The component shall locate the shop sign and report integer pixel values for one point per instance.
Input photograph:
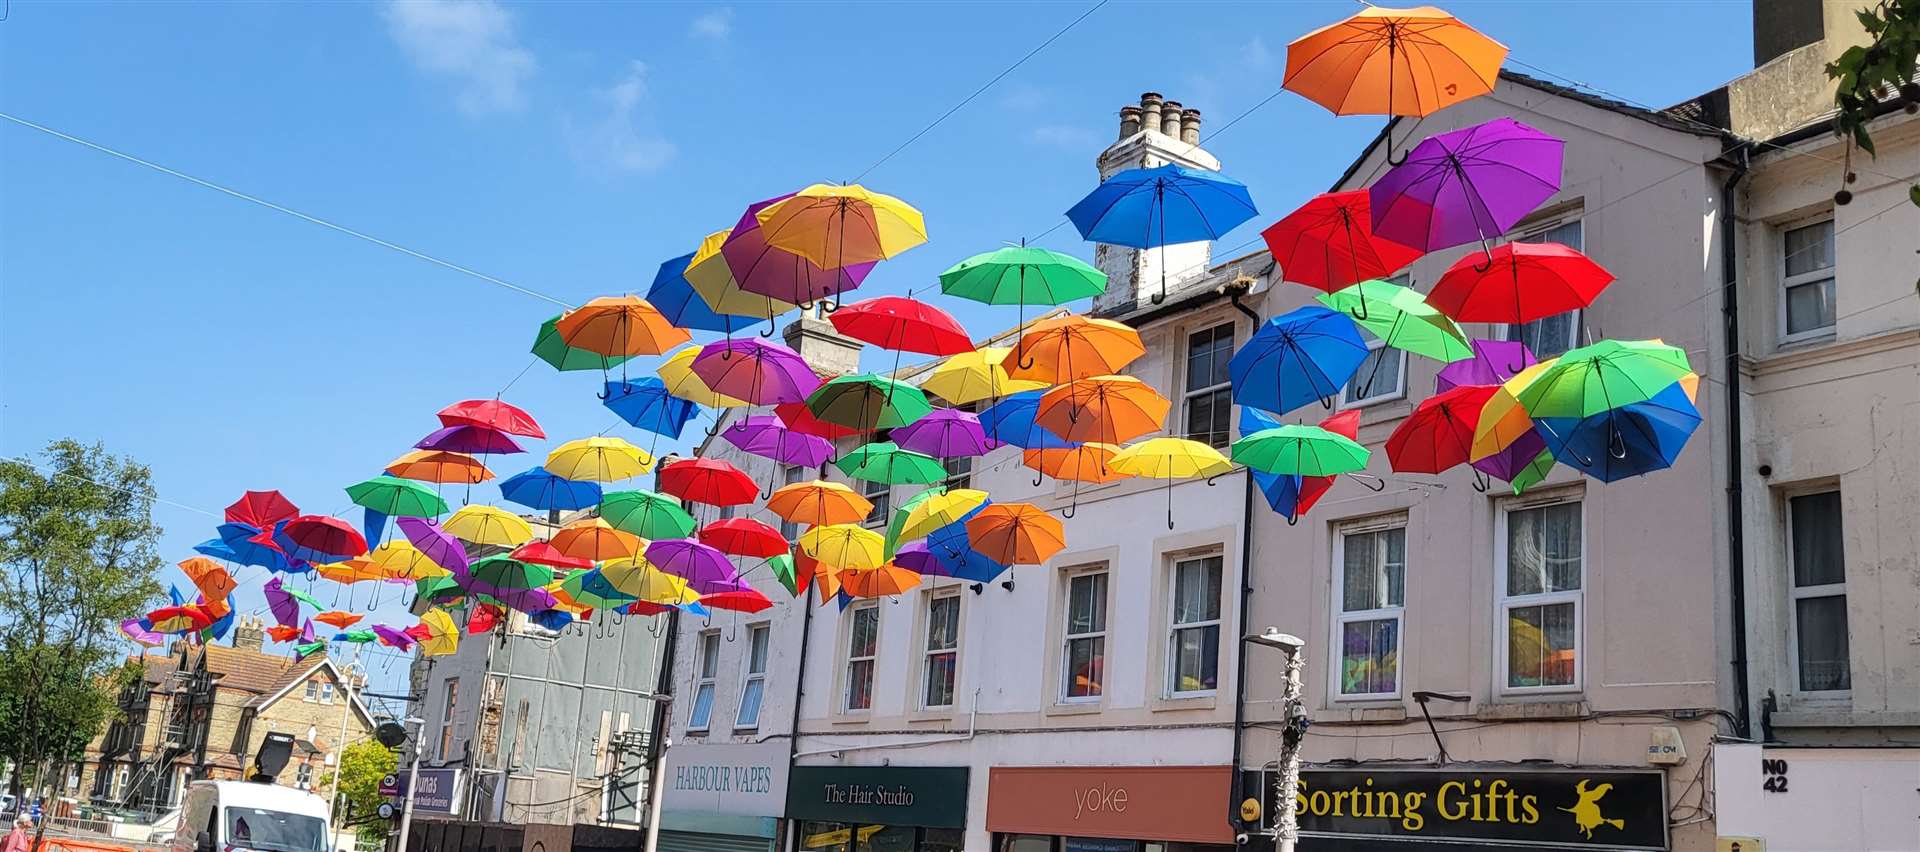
(749, 779)
(439, 791)
(1168, 803)
(923, 796)
(1597, 809)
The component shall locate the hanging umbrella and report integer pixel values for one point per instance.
(1301, 451)
(491, 414)
(1170, 459)
(952, 549)
(866, 401)
(1013, 421)
(902, 325)
(213, 581)
(836, 226)
(439, 466)
(1106, 409)
(1439, 433)
(1493, 362)
(1090, 462)
(620, 325)
(1469, 185)
(283, 632)
(358, 637)
(707, 480)
(1016, 534)
(705, 569)
(673, 294)
(485, 525)
(548, 346)
(1328, 243)
(592, 588)
(748, 599)
(845, 547)
(973, 376)
(922, 515)
(886, 462)
(251, 546)
(281, 603)
(1402, 319)
(756, 371)
(945, 433)
(647, 514)
(437, 543)
(765, 436)
(782, 567)
(1507, 463)
(393, 496)
(600, 458)
(677, 372)
(438, 635)
(880, 581)
(504, 573)
(759, 267)
(1305, 354)
(645, 404)
(1533, 473)
(1503, 420)
(713, 280)
(1161, 206)
(470, 439)
(400, 560)
(1073, 347)
(523, 600)
(440, 591)
(393, 637)
(796, 417)
(545, 553)
(1524, 282)
(138, 629)
(1606, 375)
(350, 571)
(261, 509)
(743, 537)
(319, 538)
(917, 556)
(189, 618)
(818, 503)
(337, 618)
(901, 511)
(217, 549)
(1019, 275)
(595, 540)
(642, 581)
(1634, 439)
(535, 488)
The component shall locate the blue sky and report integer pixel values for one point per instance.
(569, 148)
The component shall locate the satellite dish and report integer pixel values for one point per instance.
(391, 734)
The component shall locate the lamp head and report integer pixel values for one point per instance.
(1273, 638)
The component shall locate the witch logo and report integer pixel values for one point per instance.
(1586, 811)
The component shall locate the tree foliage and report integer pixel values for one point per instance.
(1866, 75)
(362, 765)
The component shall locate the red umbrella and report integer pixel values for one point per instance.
(492, 414)
(261, 509)
(709, 481)
(324, 535)
(743, 537)
(1329, 244)
(543, 553)
(1312, 488)
(647, 608)
(743, 600)
(799, 418)
(1439, 432)
(484, 617)
(903, 325)
(1523, 282)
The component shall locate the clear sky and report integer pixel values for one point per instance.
(569, 148)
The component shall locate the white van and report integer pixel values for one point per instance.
(228, 816)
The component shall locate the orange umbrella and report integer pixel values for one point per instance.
(1084, 463)
(1073, 347)
(1106, 409)
(352, 571)
(595, 540)
(439, 466)
(1016, 534)
(888, 579)
(212, 580)
(819, 503)
(620, 325)
(283, 632)
(825, 580)
(342, 620)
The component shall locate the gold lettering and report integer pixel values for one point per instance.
(1476, 802)
(1413, 819)
(1387, 802)
(1320, 803)
(1448, 812)
(1533, 814)
(1300, 797)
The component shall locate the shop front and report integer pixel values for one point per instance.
(878, 808)
(724, 797)
(1109, 808)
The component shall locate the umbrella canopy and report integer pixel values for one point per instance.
(440, 591)
(548, 346)
(1170, 458)
(881, 581)
(1439, 432)
(545, 553)
(765, 436)
(281, 603)
(707, 480)
(595, 540)
(620, 325)
(439, 545)
(641, 580)
(1328, 243)
(1305, 354)
(137, 630)
(1106, 409)
(759, 267)
(393, 637)
(506, 573)
(438, 635)
(1493, 362)
(747, 599)
(866, 401)
(743, 537)
(903, 325)
(1073, 347)
(677, 372)
(351, 571)
(251, 546)
(897, 521)
(600, 458)
(491, 414)
(398, 497)
(705, 569)
(1013, 421)
(467, 438)
(1469, 185)
(1301, 450)
(188, 618)
(782, 567)
(886, 462)
(845, 547)
(973, 376)
(319, 538)
(1503, 420)
(337, 618)
(836, 226)
(1160, 206)
(536, 488)
(673, 295)
(400, 560)
(1090, 462)
(1384, 61)
(1607, 375)
(796, 417)
(712, 278)
(946, 433)
(1507, 463)
(645, 404)
(756, 371)
(1023, 275)
(924, 515)
(1016, 534)
(957, 558)
(1402, 319)
(1636, 438)
(487, 525)
(1524, 282)
(261, 509)
(1533, 473)
(439, 466)
(647, 514)
(592, 588)
(819, 503)
(213, 581)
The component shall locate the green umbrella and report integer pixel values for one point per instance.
(438, 590)
(1402, 319)
(782, 566)
(1018, 275)
(360, 636)
(401, 498)
(899, 520)
(302, 597)
(554, 350)
(647, 514)
(867, 402)
(1602, 377)
(590, 588)
(1300, 450)
(309, 648)
(884, 461)
(506, 572)
(1534, 472)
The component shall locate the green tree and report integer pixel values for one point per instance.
(1866, 75)
(362, 765)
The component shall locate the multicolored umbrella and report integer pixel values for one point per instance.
(620, 325)
(744, 537)
(1402, 319)
(1013, 421)
(1523, 283)
(707, 480)
(601, 458)
(1634, 439)
(439, 466)
(1019, 275)
(886, 462)
(946, 433)
(1106, 409)
(954, 552)
(759, 267)
(398, 497)
(1328, 243)
(1305, 354)
(840, 225)
(536, 488)
(138, 629)
(491, 414)
(483, 525)
(188, 618)
(845, 547)
(1469, 185)
(595, 540)
(818, 503)
(902, 325)
(548, 346)
(973, 376)
(647, 514)
(1170, 459)
(1161, 206)
(705, 569)
(645, 404)
(592, 588)
(1604, 376)
(261, 509)
(1073, 347)
(866, 401)
(1301, 450)
(1439, 433)
(677, 372)
(467, 438)
(755, 371)
(673, 295)
(1016, 534)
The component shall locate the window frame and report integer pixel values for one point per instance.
(1340, 617)
(1374, 344)
(882, 506)
(1795, 594)
(1536, 233)
(848, 659)
(1170, 682)
(703, 679)
(1189, 393)
(326, 692)
(1787, 282)
(451, 687)
(1503, 602)
(312, 691)
(928, 652)
(791, 474)
(764, 631)
(1067, 636)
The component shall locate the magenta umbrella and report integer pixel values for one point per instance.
(393, 637)
(439, 545)
(1469, 185)
(756, 371)
(760, 268)
(525, 600)
(478, 440)
(138, 632)
(1493, 363)
(946, 433)
(705, 569)
(769, 437)
(280, 602)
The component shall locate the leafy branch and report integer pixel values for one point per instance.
(1871, 73)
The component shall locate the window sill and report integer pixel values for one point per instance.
(1807, 339)
(1075, 708)
(1838, 718)
(1192, 701)
(936, 714)
(851, 717)
(1369, 402)
(1362, 712)
(1528, 706)
(747, 731)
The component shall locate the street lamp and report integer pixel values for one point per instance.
(1286, 821)
(413, 780)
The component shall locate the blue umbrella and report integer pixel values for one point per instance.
(217, 549)
(1010, 421)
(238, 538)
(535, 488)
(954, 551)
(1254, 420)
(646, 405)
(552, 619)
(1633, 439)
(674, 297)
(1305, 354)
(1147, 208)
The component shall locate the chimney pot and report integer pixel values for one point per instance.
(1129, 120)
(1190, 126)
(1150, 105)
(1170, 119)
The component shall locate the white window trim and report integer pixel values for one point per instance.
(927, 653)
(846, 668)
(450, 686)
(1067, 636)
(880, 489)
(1398, 614)
(1400, 392)
(1824, 332)
(1188, 393)
(748, 675)
(326, 692)
(1504, 329)
(1502, 602)
(702, 679)
(789, 475)
(1796, 593)
(1169, 683)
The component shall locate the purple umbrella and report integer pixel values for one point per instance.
(440, 546)
(137, 630)
(1493, 362)
(705, 569)
(280, 602)
(470, 439)
(756, 371)
(916, 557)
(1469, 185)
(761, 268)
(393, 636)
(764, 435)
(1507, 463)
(946, 433)
(525, 600)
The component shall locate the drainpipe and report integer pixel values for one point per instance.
(792, 827)
(1235, 291)
(1736, 494)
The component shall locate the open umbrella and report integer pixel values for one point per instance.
(743, 537)
(620, 325)
(845, 547)
(1170, 459)
(1019, 275)
(712, 278)
(1493, 362)
(867, 401)
(1106, 409)
(1152, 207)
(139, 630)
(491, 414)
(1524, 282)
(261, 509)
(338, 619)
(548, 346)
(504, 573)
(840, 225)
(284, 607)
(439, 466)
(973, 376)
(879, 581)
(595, 540)
(922, 515)
(1402, 319)
(1328, 243)
(798, 418)
(1439, 433)
(818, 503)
(1305, 354)
(1013, 421)
(647, 514)
(486, 525)
(467, 438)
(1606, 375)
(759, 267)
(438, 635)
(440, 591)
(600, 458)
(1089, 462)
(902, 325)
(536, 488)
(674, 296)
(677, 372)
(945, 433)
(545, 553)
(319, 538)
(188, 618)
(399, 560)
(641, 580)
(705, 569)
(755, 371)
(1073, 347)
(437, 543)
(1636, 438)
(398, 497)
(592, 588)
(769, 438)
(350, 571)
(1468, 185)
(747, 599)
(707, 480)
(886, 462)
(251, 546)
(1300, 450)
(213, 581)
(953, 551)
(393, 637)
(1533, 473)
(1016, 534)
(645, 404)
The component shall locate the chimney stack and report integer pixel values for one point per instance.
(1170, 119)
(1134, 275)
(1129, 120)
(249, 633)
(1190, 126)
(1150, 103)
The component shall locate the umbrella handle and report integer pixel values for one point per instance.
(1026, 362)
(1481, 482)
(1293, 519)
(735, 632)
(1362, 478)
(1489, 253)
(1616, 442)
(1393, 161)
(602, 393)
(1210, 479)
(715, 431)
(769, 331)
(1361, 314)
(1069, 510)
(1326, 402)
(1039, 478)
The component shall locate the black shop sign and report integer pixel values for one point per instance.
(1564, 808)
(925, 796)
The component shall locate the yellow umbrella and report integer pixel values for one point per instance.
(677, 372)
(488, 525)
(638, 577)
(1503, 420)
(1170, 459)
(940, 510)
(600, 459)
(713, 280)
(400, 560)
(836, 226)
(845, 547)
(974, 376)
(443, 636)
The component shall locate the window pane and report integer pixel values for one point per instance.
(702, 706)
(1548, 336)
(791, 475)
(1196, 658)
(1818, 556)
(860, 685)
(1207, 355)
(1378, 376)
(1540, 645)
(1810, 306)
(757, 649)
(1087, 604)
(1375, 567)
(1369, 656)
(1810, 249)
(1196, 590)
(1822, 626)
(866, 623)
(880, 494)
(943, 623)
(1543, 549)
(750, 696)
(940, 668)
(1567, 234)
(1085, 660)
(709, 654)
